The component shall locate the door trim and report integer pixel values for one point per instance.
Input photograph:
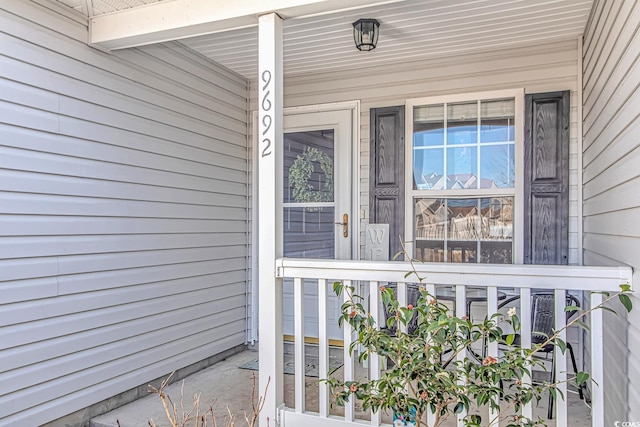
(252, 231)
(354, 108)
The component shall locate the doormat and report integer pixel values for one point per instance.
(311, 365)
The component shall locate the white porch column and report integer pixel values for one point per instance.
(270, 126)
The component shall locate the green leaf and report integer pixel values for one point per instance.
(337, 288)
(581, 324)
(459, 408)
(626, 301)
(609, 309)
(570, 308)
(625, 287)
(510, 338)
(563, 345)
(581, 377)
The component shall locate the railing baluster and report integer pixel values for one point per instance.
(560, 358)
(492, 347)
(374, 359)
(431, 290)
(323, 347)
(597, 362)
(461, 311)
(349, 407)
(525, 340)
(401, 290)
(299, 377)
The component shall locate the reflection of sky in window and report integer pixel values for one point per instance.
(496, 164)
(499, 132)
(496, 161)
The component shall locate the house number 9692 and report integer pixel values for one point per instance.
(267, 119)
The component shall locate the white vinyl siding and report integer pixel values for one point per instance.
(539, 68)
(611, 62)
(123, 213)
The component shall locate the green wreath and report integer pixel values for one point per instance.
(300, 172)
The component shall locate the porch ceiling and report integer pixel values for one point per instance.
(410, 30)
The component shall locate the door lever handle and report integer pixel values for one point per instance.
(344, 224)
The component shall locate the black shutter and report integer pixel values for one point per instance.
(386, 172)
(546, 180)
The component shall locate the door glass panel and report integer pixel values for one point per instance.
(309, 232)
(308, 166)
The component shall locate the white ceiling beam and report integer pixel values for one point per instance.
(178, 19)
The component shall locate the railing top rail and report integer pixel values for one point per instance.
(508, 275)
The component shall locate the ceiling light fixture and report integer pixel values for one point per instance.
(365, 33)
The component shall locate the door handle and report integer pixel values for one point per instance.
(344, 224)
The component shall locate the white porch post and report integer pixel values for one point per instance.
(270, 127)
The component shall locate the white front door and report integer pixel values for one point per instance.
(317, 217)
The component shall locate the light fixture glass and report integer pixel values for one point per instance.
(365, 33)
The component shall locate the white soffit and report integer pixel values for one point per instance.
(177, 19)
(412, 30)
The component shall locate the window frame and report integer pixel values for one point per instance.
(517, 192)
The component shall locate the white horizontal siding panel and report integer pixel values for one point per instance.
(224, 83)
(18, 115)
(43, 246)
(610, 15)
(29, 204)
(606, 67)
(123, 214)
(220, 193)
(615, 139)
(114, 95)
(611, 106)
(18, 291)
(115, 309)
(91, 263)
(19, 269)
(624, 251)
(34, 161)
(622, 169)
(73, 147)
(18, 225)
(88, 358)
(205, 149)
(611, 208)
(22, 94)
(221, 283)
(181, 355)
(176, 129)
(622, 196)
(34, 396)
(616, 223)
(30, 354)
(56, 22)
(60, 44)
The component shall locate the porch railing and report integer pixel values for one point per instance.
(520, 278)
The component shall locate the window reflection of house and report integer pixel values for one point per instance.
(460, 228)
(434, 181)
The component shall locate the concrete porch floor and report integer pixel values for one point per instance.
(228, 386)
